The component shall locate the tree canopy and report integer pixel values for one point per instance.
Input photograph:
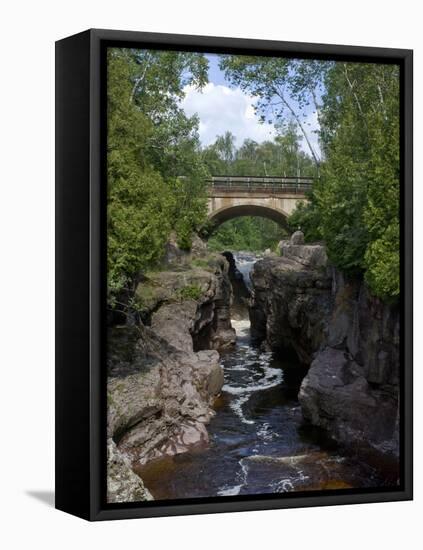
(281, 157)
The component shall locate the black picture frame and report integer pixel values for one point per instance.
(80, 273)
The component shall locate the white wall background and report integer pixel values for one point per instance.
(28, 31)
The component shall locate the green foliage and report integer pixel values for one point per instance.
(136, 234)
(355, 206)
(359, 195)
(157, 170)
(189, 210)
(306, 217)
(138, 225)
(189, 292)
(382, 261)
(247, 233)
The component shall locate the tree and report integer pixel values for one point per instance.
(283, 88)
(220, 155)
(355, 206)
(156, 176)
(137, 195)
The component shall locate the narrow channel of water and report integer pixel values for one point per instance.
(259, 442)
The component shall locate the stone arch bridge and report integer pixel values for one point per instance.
(270, 197)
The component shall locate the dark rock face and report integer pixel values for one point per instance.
(291, 306)
(212, 327)
(352, 388)
(335, 395)
(349, 338)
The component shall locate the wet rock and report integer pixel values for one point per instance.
(304, 472)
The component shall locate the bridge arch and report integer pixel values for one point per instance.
(226, 213)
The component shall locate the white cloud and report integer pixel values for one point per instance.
(222, 109)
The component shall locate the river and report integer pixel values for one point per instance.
(259, 442)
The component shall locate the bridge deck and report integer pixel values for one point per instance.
(273, 184)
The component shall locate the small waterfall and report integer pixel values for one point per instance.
(244, 263)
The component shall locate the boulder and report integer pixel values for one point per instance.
(311, 255)
(175, 255)
(174, 323)
(198, 247)
(297, 238)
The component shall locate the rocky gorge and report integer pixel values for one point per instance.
(197, 409)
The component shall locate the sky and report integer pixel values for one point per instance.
(222, 107)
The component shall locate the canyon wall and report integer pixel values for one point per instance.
(349, 338)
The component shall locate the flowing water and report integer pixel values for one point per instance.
(259, 442)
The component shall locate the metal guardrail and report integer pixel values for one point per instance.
(265, 183)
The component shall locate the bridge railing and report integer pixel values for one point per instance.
(257, 183)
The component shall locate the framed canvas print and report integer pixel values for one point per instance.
(234, 274)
